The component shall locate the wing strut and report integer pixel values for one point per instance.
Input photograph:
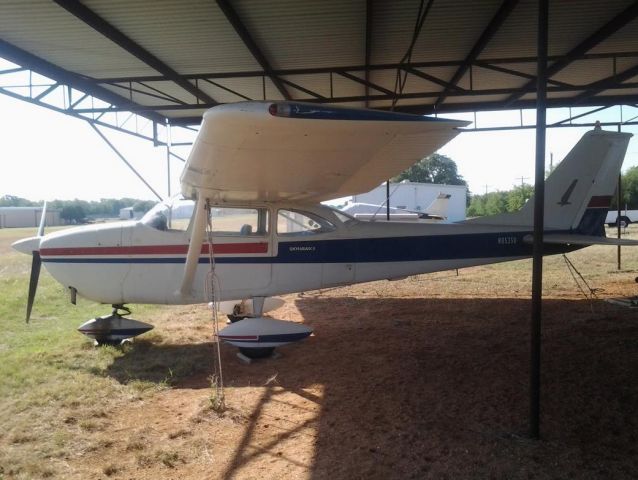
(195, 246)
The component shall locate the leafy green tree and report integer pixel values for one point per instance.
(496, 202)
(73, 213)
(630, 189)
(433, 169)
(143, 205)
(517, 197)
(13, 201)
(476, 208)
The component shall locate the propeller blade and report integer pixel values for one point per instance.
(33, 282)
(43, 220)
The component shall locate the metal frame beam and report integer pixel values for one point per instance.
(28, 60)
(387, 95)
(242, 31)
(608, 29)
(363, 67)
(431, 78)
(96, 22)
(368, 47)
(599, 86)
(539, 213)
(495, 24)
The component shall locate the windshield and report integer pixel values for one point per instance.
(172, 214)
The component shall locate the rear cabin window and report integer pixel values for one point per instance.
(293, 222)
(239, 221)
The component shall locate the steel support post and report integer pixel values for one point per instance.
(387, 200)
(168, 158)
(539, 206)
(619, 200)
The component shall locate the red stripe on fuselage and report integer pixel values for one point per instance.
(601, 201)
(223, 248)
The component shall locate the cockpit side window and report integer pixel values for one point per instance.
(239, 221)
(295, 222)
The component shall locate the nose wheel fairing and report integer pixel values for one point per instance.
(112, 329)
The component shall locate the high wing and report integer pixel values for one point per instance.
(269, 151)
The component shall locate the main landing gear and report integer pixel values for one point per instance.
(114, 328)
(257, 336)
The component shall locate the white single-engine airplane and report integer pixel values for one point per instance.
(257, 172)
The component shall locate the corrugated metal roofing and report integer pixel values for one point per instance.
(174, 59)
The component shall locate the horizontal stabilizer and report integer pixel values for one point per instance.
(570, 239)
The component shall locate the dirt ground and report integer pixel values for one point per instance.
(399, 381)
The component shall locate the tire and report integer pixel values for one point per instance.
(262, 352)
(624, 222)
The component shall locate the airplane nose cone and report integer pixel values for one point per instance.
(27, 245)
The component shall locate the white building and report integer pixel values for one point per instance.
(417, 196)
(27, 217)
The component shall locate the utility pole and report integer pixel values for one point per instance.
(523, 181)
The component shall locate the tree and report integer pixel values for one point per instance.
(476, 208)
(630, 189)
(517, 197)
(143, 205)
(13, 201)
(73, 213)
(433, 169)
(496, 202)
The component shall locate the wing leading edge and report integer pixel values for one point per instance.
(270, 151)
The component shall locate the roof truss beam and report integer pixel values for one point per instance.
(495, 24)
(601, 85)
(373, 67)
(432, 78)
(604, 32)
(366, 83)
(60, 75)
(389, 96)
(96, 22)
(517, 73)
(242, 31)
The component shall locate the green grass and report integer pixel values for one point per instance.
(55, 387)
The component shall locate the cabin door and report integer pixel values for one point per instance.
(243, 249)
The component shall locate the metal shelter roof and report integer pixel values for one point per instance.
(169, 60)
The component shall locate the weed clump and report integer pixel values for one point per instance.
(217, 398)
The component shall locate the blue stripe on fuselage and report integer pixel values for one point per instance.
(362, 250)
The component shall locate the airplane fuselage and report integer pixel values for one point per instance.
(136, 262)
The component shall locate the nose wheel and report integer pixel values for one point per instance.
(114, 328)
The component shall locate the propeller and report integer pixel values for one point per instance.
(33, 281)
(36, 263)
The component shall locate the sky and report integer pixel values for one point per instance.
(46, 155)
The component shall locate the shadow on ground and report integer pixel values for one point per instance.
(439, 387)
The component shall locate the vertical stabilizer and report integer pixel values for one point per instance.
(440, 206)
(580, 189)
